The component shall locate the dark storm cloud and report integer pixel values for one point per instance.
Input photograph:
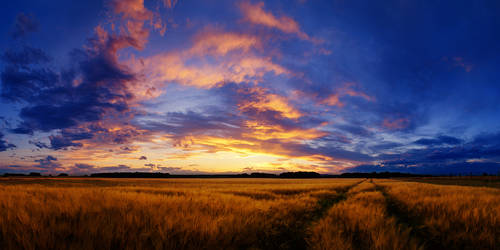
(60, 142)
(485, 146)
(25, 74)
(66, 138)
(25, 57)
(55, 102)
(443, 139)
(384, 145)
(24, 25)
(488, 139)
(49, 163)
(90, 87)
(434, 169)
(93, 84)
(38, 144)
(443, 155)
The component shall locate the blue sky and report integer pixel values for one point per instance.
(250, 86)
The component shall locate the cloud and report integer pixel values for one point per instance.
(48, 163)
(170, 3)
(214, 59)
(487, 140)
(221, 43)
(346, 90)
(25, 57)
(250, 92)
(442, 139)
(358, 130)
(83, 99)
(447, 153)
(433, 169)
(5, 145)
(81, 168)
(258, 100)
(60, 142)
(249, 133)
(263, 130)
(25, 73)
(134, 17)
(94, 85)
(396, 123)
(255, 13)
(24, 25)
(55, 102)
(179, 125)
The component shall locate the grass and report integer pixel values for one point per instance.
(84, 213)
(473, 181)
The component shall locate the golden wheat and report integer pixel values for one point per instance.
(84, 213)
(451, 216)
(360, 222)
(169, 214)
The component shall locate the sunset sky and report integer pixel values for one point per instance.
(248, 86)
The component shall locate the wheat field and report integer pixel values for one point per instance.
(87, 213)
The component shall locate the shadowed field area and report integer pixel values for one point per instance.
(474, 181)
(80, 213)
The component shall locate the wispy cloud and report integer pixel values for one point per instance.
(255, 13)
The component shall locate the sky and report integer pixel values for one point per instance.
(189, 87)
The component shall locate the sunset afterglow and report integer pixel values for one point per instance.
(189, 87)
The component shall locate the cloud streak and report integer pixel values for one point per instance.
(255, 14)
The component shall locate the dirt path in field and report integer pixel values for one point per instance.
(358, 237)
(326, 203)
(295, 236)
(417, 229)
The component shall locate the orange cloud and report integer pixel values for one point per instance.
(363, 95)
(219, 43)
(167, 68)
(262, 101)
(255, 13)
(346, 90)
(395, 124)
(135, 15)
(169, 3)
(332, 100)
(263, 131)
(223, 66)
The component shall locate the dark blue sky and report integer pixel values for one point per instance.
(232, 86)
